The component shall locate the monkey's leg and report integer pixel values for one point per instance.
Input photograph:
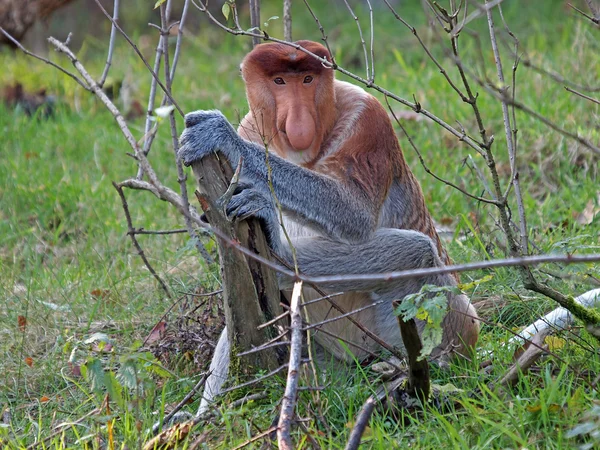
(386, 251)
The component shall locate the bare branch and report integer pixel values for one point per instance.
(179, 38)
(137, 51)
(595, 19)
(111, 44)
(255, 19)
(136, 244)
(181, 177)
(362, 420)
(323, 35)
(45, 60)
(159, 232)
(526, 360)
(510, 141)
(414, 106)
(166, 194)
(287, 20)
(424, 165)
(288, 402)
(158, 426)
(362, 42)
(591, 99)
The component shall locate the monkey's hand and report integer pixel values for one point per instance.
(249, 201)
(207, 132)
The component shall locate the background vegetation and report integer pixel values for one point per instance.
(68, 270)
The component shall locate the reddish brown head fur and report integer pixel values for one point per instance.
(292, 95)
(274, 58)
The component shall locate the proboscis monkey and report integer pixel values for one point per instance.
(350, 203)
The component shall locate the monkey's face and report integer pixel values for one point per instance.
(297, 114)
(293, 94)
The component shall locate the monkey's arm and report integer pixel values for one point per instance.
(337, 209)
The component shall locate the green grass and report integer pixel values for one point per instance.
(68, 268)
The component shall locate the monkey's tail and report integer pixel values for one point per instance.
(219, 370)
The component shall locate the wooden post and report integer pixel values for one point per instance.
(250, 290)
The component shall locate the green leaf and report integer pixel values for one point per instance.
(94, 374)
(127, 374)
(158, 3)
(428, 305)
(114, 389)
(226, 10)
(266, 24)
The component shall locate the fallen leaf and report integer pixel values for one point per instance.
(29, 361)
(44, 399)
(586, 216)
(100, 293)
(22, 320)
(75, 369)
(156, 333)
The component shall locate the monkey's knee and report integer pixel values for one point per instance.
(406, 249)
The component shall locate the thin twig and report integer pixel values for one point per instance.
(510, 143)
(45, 60)
(323, 35)
(201, 382)
(181, 176)
(287, 20)
(372, 41)
(273, 321)
(255, 19)
(362, 41)
(159, 232)
(137, 51)
(288, 402)
(166, 194)
(443, 71)
(111, 44)
(255, 438)
(595, 20)
(314, 325)
(179, 38)
(591, 99)
(135, 242)
(428, 170)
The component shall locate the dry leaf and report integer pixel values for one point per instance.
(22, 320)
(75, 369)
(586, 216)
(29, 361)
(156, 333)
(100, 293)
(44, 399)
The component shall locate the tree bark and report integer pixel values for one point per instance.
(250, 290)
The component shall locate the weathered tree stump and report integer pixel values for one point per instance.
(250, 290)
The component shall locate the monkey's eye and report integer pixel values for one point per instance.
(308, 79)
(279, 80)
